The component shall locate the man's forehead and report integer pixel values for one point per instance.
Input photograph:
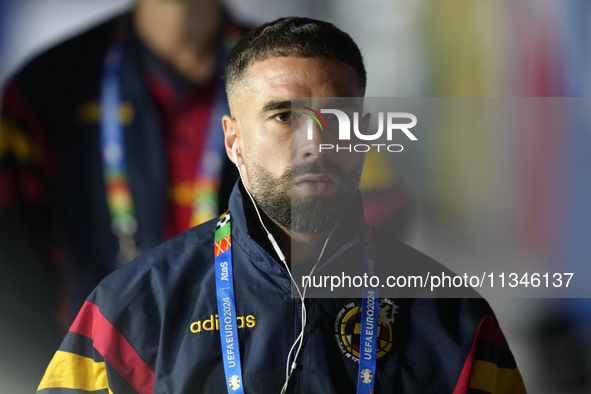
(303, 102)
(310, 76)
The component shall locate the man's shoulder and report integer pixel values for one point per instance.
(414, 274)
(156, 294)
(402, 251)
(399, 257)
(175, 267)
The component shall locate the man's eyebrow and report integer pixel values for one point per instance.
(276, 104)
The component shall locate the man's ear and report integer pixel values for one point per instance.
(232, 134)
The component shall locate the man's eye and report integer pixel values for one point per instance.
(284, 117)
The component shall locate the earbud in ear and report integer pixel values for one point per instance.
(234, 154)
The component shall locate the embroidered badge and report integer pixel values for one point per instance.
(348, 328)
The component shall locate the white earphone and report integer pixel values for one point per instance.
(235, 157)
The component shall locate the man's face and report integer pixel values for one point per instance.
(292, 181)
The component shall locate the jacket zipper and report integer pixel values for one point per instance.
(339, 253)
(297, 323)
(297, 306)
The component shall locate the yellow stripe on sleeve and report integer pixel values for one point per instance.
(14, 142)
(5, 138)
(486, 376)
(71, 371)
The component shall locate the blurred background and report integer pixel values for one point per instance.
(518, 200)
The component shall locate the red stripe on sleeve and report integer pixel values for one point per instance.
(114, 348)
(487, 329)
(492, 332)
(7, 193)
(32, 187)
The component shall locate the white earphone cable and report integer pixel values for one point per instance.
(302, 295)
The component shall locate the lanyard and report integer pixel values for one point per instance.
(119, 198)
(224, 283)
(369, 321)
(228, 323)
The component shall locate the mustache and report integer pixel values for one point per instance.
(316, 167)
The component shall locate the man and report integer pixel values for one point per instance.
(59, 236)
(211, 310)
(101, 160)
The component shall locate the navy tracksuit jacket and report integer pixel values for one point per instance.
(151, 327)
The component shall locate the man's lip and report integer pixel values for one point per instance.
(315, 178)
(316, 184)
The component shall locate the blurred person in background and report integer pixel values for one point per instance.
(110, 143)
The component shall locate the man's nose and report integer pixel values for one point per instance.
(310, 143)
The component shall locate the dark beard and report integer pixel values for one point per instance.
(304, 215)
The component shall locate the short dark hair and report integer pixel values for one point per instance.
(294, 36)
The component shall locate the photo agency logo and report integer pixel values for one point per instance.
(344, 130)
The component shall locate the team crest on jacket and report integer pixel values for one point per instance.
(348, 328)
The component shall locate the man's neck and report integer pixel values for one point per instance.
(305, 250)
(181, 33)
(299, 249)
